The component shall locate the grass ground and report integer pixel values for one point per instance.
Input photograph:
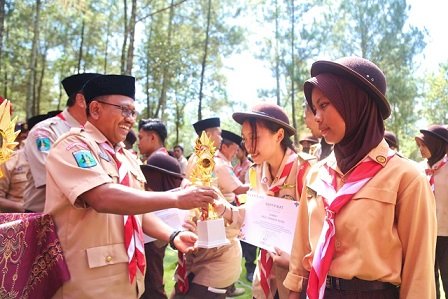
(170, 263)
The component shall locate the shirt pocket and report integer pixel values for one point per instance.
(376, 194)
(106, 255)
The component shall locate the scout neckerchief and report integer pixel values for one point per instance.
(133, 234)
(182, 284)
(334, 201)
(266, 261)
(430, 172)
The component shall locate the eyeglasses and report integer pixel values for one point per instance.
(125, 111)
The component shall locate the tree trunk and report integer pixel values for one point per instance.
(42, 74)
(204, 59)
(130, 57)
(81, 44)
(165, 68)
(31, 96)
(277, 58)
(293, 75)
(125, 38)
(107, 44)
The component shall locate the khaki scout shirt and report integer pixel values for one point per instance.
(93, 243)
(264, 181)
(12, 183)
(441, 195)
(39, 142)
(387, 232)
(227, 180)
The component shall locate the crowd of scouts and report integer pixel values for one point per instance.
(371, 223)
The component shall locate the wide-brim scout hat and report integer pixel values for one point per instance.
(438, 131)
(74, 84)
(231, 137)
(164, 163)
(208, 123)
(268, 112)
(360, 71)
(105, 85)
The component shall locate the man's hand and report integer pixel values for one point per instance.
(195, 197)
(184, 241)
(280, 258)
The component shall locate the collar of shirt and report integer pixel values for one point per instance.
(266, 174)
(70, 119)
(378, 154)
(439, 163)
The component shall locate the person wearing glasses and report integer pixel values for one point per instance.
(95, 194)
(43, 135)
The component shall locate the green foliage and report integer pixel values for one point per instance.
(435, 100)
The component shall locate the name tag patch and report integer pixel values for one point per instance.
(84, 159)
(43, 144)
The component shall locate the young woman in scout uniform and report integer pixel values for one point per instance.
(366, 226)
(266, 133)
(433, 144)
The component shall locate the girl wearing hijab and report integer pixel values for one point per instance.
(366, 226)
(266, 133)
(433, 144)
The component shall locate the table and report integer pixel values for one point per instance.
(32, 263)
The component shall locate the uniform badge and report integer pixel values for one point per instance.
(43, 144)
(104, 156)
(84, 159)
(288, 197)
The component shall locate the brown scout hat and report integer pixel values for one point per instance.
(268, 112)
(360, 71)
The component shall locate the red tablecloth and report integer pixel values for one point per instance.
(32, 264)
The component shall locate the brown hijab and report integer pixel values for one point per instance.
(436, 147)
(363, 121)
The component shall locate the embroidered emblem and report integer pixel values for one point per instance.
(84, 159)
(381, 159)
(43, 144)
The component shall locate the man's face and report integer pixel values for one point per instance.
(177, 152)
(146, 142)
(311, 123)
(229, 150)
(111, 119)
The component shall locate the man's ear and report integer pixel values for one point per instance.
(94, 110)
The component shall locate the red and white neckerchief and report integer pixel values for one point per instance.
(266, 261)
(133, 234)
(430, 172)
(181, 276)
(334, 201)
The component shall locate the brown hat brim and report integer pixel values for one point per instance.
(324, 66)
(434, 134)
(148, 168)
(240, 117)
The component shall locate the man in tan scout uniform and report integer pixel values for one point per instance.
(45, 133)
(95, 187)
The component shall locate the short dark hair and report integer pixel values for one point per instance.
(153, 124)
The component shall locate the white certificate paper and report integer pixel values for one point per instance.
(173, 217)
(269, 221)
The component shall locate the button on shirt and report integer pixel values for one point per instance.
(386, 232)
(39, 142)
(93, 243)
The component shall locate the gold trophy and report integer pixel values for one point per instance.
(210, 227)
(7, 134)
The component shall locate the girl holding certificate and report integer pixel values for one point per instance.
(266, 133)
(367, 223)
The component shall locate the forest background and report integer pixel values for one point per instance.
(179, 51)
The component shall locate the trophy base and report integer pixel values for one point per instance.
(211, 233)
